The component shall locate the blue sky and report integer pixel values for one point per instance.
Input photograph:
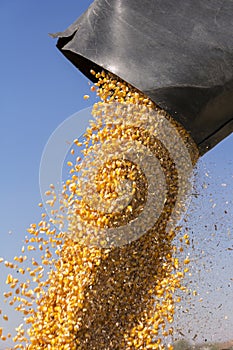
(39, 89)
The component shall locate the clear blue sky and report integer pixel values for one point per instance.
(39, 89)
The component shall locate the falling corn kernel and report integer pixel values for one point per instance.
(31, 247)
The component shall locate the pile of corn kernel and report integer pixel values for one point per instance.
(83, 296)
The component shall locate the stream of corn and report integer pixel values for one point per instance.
(84, 293)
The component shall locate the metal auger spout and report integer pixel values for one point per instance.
(179, 53)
